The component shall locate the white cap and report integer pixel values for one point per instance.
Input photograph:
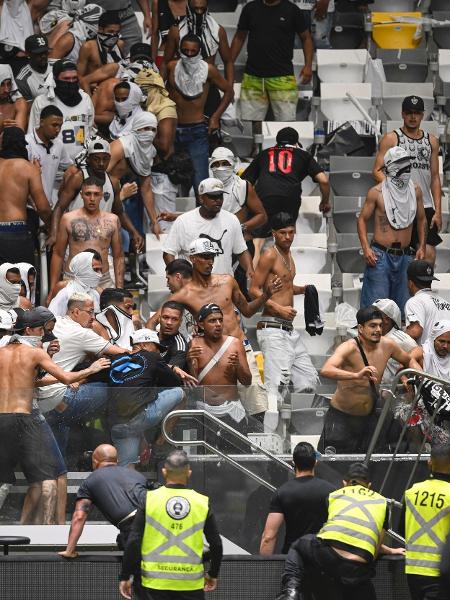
(396, 154)
(144, 336)
(202, 246)
(211, 186)
(6, 320)
(222, 153)
(98, 145)
(389, 308)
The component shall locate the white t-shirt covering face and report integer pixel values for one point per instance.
(426, 308)
(75, 342)
(224, 231)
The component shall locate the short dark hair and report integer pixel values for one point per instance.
(122, 85)
(173, 305)
(92, 181)
(282, 220)
(96, 254)
(304, 456)
(110, 17)
(181, 266)
(368, 314)
(51, 111)
(191, 37)
(176, 461)
(110, 296)
(358, 473)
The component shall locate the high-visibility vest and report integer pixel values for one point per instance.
(172, 544)
(427, 524)
(356, 516)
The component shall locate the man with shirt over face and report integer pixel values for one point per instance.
(114, 322)
(31, 78)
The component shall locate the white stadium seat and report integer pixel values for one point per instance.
(335, 105)
(323, 285)
(444, 64)
(310, 219)
(337, 66)
(157, 291)
(154, 254)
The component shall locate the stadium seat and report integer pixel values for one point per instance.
(301, 400)
(406, 66)
(427, 126)
(310, 254)
(438, 5)
(441, 35)
(323, 285)
(308, 421)
(305, 131)
(336, 66)
(349, 255)
(335, 105)
(442, 287)
(388, 5)
(310, 219)
(444, 64)
(443, 254)
(393, 94)
(157, 291)
(346, 210)
(347, 31)
(222, 6)
(318, 344)
(351, 176)
(351, 288)
(153, 253)
(390, 32)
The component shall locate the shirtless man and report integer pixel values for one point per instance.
(220, 373)
(394, 204)
(105, 48)
(224, 291)
(424, 150)
(132, 155)
(188, 83)
(20, 433)
(351, 419)
(95, 164)
(13, 108)
(89, 227)
(285, 356)
(20, 179)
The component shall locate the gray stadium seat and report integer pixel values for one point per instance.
(393, 5)
(444, 64)
(406, 66)
(346, 210)
(443, 255)
(441, 35)
(347, 31)
(349, 255)
(300, 400)
(308, 421)
(393, 94)
(351, 176)
(438, 5)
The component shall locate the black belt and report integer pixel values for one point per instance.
(266, 324)
(395, 251)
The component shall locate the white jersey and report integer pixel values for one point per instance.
(108, 194)
(426, 308)
(74, 54)
(420, 152)
(236, 195)
(78, 121)
(31, 83)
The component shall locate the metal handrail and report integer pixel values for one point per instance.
(226, 457)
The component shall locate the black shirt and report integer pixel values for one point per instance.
(134, 379)
(115, 491)
(132, 556)
(304, 503)
(271, 36)
(176, 350)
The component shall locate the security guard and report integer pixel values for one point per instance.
(167, 536)
(427, 525)
(345, 548)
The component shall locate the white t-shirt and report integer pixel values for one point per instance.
(31, 83)
(51, 159)
(224, 231)
(426, 308)
(75, 342)
(406, 343)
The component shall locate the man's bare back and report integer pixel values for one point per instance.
(189, 110)
(87, 231)
(20, 180)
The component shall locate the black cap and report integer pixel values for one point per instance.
(207, 309)
(36, 317)
(36, 44)
(287, 135)
(63, 65)
(140, 50)
(413, 103)
(367, 314)
(421, 270)
(358, 472)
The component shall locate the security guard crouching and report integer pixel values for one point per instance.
(167, 538)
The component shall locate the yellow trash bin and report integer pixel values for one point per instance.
(390, 32)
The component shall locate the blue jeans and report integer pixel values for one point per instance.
(320, 30)
(127, 436)
(87, 402)
(387, 279)
(193, 139)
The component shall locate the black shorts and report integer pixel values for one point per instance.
(433, 237)
(347, 433)
(21, 444)
(16, 246)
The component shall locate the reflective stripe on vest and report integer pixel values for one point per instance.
(427, 524)
(172, 544)
(355, 517)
